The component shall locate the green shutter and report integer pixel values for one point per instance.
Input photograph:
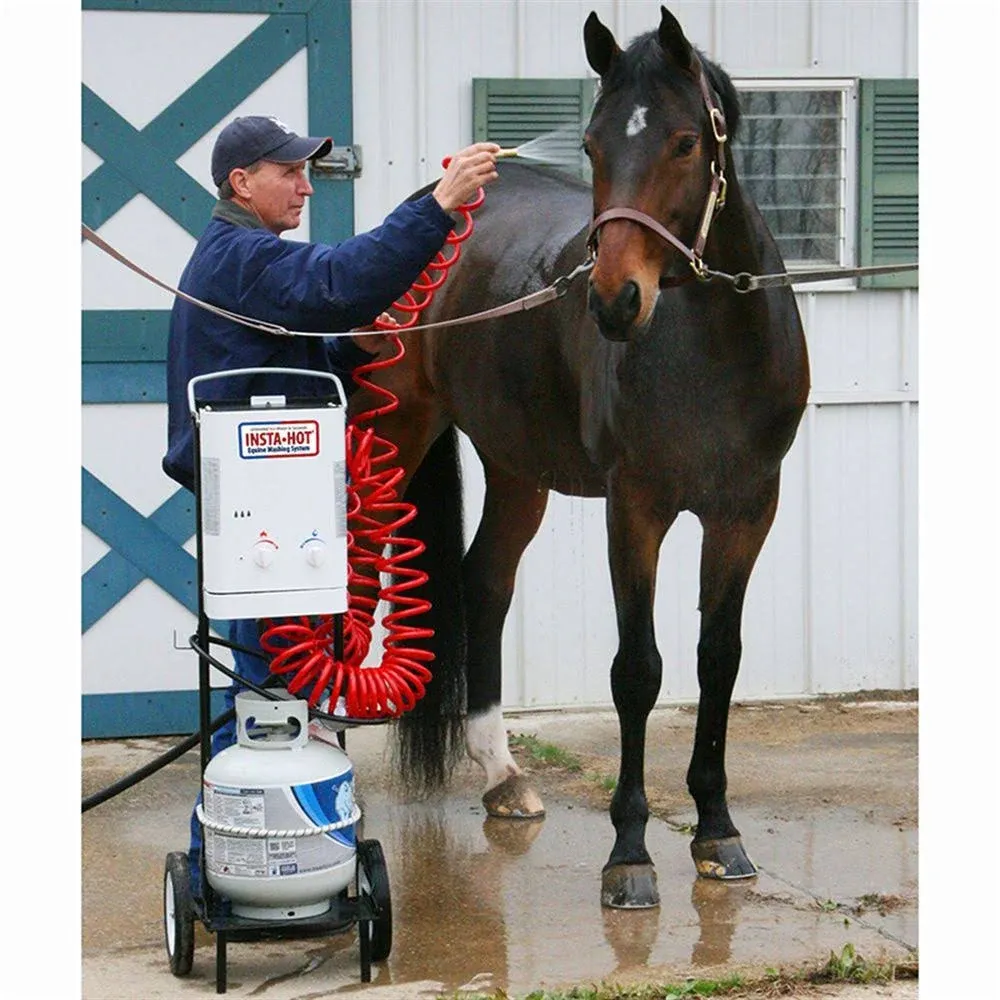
(511, 112)
(888, 179)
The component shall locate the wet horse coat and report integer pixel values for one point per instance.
(658, 393)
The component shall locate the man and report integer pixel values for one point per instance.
(242, 264)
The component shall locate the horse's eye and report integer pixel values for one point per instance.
(686, 144)
(585, 148)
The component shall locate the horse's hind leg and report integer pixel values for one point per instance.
(512, 512)
(729, 550)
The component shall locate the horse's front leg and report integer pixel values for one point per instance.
(512, 511)
(635, 532)
(729, 550)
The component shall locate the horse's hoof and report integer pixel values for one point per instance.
(723, 858)
(514, 798)
(629, 887)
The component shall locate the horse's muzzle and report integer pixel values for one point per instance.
(615, 320)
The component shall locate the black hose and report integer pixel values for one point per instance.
(154, 765)
(185, 745)
(195, 738)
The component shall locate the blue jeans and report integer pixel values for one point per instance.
(244, 633)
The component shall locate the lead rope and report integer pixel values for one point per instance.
(744, 282)
(556, 290)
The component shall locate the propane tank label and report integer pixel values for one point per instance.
(279, 809)
(278, 438)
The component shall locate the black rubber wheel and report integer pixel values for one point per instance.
(178, 913)
(373, 880)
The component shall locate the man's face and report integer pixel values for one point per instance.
(276, 192)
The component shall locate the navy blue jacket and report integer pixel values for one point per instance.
(245, 268)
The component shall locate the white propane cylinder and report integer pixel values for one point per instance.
(266, 802)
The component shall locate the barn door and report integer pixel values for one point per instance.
(161, 78)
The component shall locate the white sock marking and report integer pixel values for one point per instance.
(486, 738)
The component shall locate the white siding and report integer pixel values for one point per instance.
(832, 604)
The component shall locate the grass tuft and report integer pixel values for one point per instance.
(545, 753)
(851, 967)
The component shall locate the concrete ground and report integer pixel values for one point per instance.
(825, 794)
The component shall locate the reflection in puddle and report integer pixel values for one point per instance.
(512, 836)
(631, 934)
(718, 905)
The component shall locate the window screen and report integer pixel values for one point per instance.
(791, 158)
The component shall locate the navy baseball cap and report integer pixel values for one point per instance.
(257, 137)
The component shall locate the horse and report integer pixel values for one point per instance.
(646, 384)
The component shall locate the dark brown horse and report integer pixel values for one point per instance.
(649, 386)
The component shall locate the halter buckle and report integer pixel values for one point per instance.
(699, 268)
(719, 176)
(718, 124)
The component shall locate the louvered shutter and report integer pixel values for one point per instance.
(888, 179)
(511, 112)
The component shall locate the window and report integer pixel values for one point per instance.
(791, 156)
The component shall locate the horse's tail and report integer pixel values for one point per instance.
(431, 736)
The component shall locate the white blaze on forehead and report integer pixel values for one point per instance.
(637, 122)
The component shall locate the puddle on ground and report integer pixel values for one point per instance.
(516, 904)
(488, 904)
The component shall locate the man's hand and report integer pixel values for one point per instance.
(370, 341)
(469, 170)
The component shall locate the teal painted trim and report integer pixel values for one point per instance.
(204, 6)
(144, 713)
(150, 549)
(113, 576)
(131, 382)
(179, 126)
(133, 164)
(125, 335)
(331, 208)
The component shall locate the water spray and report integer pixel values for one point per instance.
(558, 148)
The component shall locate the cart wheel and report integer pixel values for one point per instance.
(178, 913)
(373, 879)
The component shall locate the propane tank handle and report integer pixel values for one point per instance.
(268, 713)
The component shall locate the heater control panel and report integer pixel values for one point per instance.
(273, 510)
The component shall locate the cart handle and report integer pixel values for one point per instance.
(261, 371)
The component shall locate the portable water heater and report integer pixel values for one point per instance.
(273, 504)
(279, 814)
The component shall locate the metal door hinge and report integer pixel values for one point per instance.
(342, 163)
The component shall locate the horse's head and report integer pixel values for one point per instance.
(656, 145)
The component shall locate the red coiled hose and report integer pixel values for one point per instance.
(375, 516)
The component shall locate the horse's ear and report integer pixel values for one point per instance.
(672, 40)
(600, 45)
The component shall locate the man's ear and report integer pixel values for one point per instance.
(238, 181)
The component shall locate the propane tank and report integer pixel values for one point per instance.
(279, 814)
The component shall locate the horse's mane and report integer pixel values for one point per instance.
(643, 63)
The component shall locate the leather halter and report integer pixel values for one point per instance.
(714, 202)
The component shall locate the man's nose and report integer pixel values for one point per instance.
(305, 187)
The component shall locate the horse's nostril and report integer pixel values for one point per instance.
(627, 304)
